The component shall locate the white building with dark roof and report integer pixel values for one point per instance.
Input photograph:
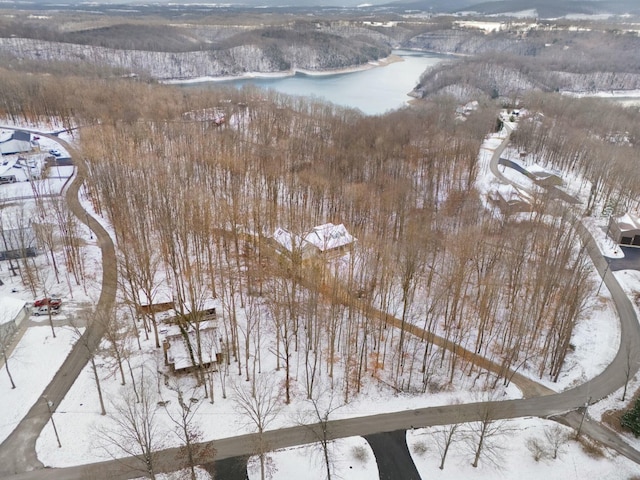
(625, 229)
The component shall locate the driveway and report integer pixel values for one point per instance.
(631, 260)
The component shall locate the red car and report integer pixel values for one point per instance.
(53, 302)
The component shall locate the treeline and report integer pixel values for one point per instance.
(600, 148)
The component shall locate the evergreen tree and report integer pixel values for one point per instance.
(631, 418)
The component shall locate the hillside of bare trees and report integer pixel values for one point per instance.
(514, 61)
(193, 50)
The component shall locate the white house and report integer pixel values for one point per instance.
(13, 312)
(323, 239)
(15, 141)
(625, 229)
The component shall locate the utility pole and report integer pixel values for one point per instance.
(55, 430)
(584, 414)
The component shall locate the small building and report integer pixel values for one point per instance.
(330, 238)
(625, 229)
(509, 200)
(544, 177)
(187, 347)
(203, 311)
(13, 312)
(288, 243)
(15, 141)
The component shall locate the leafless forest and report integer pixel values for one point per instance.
(196, 202)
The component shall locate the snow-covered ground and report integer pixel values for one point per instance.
(513, 459)
(78, 417)
(351, 458)
(33, 363)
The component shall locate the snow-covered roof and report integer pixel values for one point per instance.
(539, 171)
(329, 236)
(628, 222)
(287, 239)
(178, 351)
(7, 135)
(323, 237)
(14, 142)
(10, 308)
(207, 304)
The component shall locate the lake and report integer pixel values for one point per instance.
(373, 91)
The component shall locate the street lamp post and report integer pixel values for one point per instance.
(55, 430)
(89, 226)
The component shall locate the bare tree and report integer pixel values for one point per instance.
(445, 436)
(557, 437)
(84, 340)
(134, 430)
(261, 406)
(483, 435)
(322, 406)
(5, 338)
(628, 366)
(187, 431)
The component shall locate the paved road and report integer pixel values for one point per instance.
(392, 456)
(18, 452)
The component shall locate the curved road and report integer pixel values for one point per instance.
(552, 405)
(18, 451)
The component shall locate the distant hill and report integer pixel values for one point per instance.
(544, 8)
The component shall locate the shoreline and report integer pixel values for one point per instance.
(601, 93)
(383, 62)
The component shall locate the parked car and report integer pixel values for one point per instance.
(44, 310)
(43, 302)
